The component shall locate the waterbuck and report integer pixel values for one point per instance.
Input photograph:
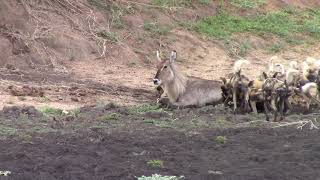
(183, 91)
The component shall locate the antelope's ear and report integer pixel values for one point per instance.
(264, 75)
(158, 56)
(173, 56)
(275, 74)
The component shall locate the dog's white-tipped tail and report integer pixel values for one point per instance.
(293, 64)
(281, 66)
(238, 65)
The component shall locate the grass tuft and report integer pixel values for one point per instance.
(172, 3)
(221, 139)
(155, 163)
(160, 177)
(248, 4)
(50, 111)
(145, 108)
(111, 116)
(111, 36)
(155, 29)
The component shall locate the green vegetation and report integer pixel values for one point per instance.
(100, 4)
(145, 108)
(178, 3)
(248, 4)
(155, 29)
(172, 3)
(111, 116)
(160, 123)
(6, 130)
(155, 163)
(44, 99)
(221, 139)
(286, 23)
(50, 111)
(159, 177)
(74, 112)
(244, 48)
(204, 2)
(108, 35)
(276, 47)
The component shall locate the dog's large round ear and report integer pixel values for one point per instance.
(250, 84)
(173, 56)
(264, 75)
(224, 80)
(158, 56)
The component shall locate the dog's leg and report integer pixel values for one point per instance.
(266, 109)
(276, 111)
(282, 109)
(288, 104)
(253, 105)
(234, 93)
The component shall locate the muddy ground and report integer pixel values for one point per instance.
(111, 142)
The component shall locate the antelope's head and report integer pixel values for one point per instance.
(165, 69)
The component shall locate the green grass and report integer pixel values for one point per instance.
(248, 4)
(50, 111)
(204, 2)
(108, 35)
(221, 139)
(155, 29)
(74, 112)
(179, 3)
(160, 123)
(155, 163)
(160, 177)
(99, 4)
(172, 3)
(6, 130)
(44, 99)
(286, 23)
(145, 108)
(244, 48)
(111, 116)
(278, 47)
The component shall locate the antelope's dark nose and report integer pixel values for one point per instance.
(156, 81)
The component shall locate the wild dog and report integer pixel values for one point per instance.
(183, 91)
(226, 92)
(255, 94)
(310, 92)
(276, 68)
(309, 70)
(292, 74)
(239, 87)
(276, 94)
